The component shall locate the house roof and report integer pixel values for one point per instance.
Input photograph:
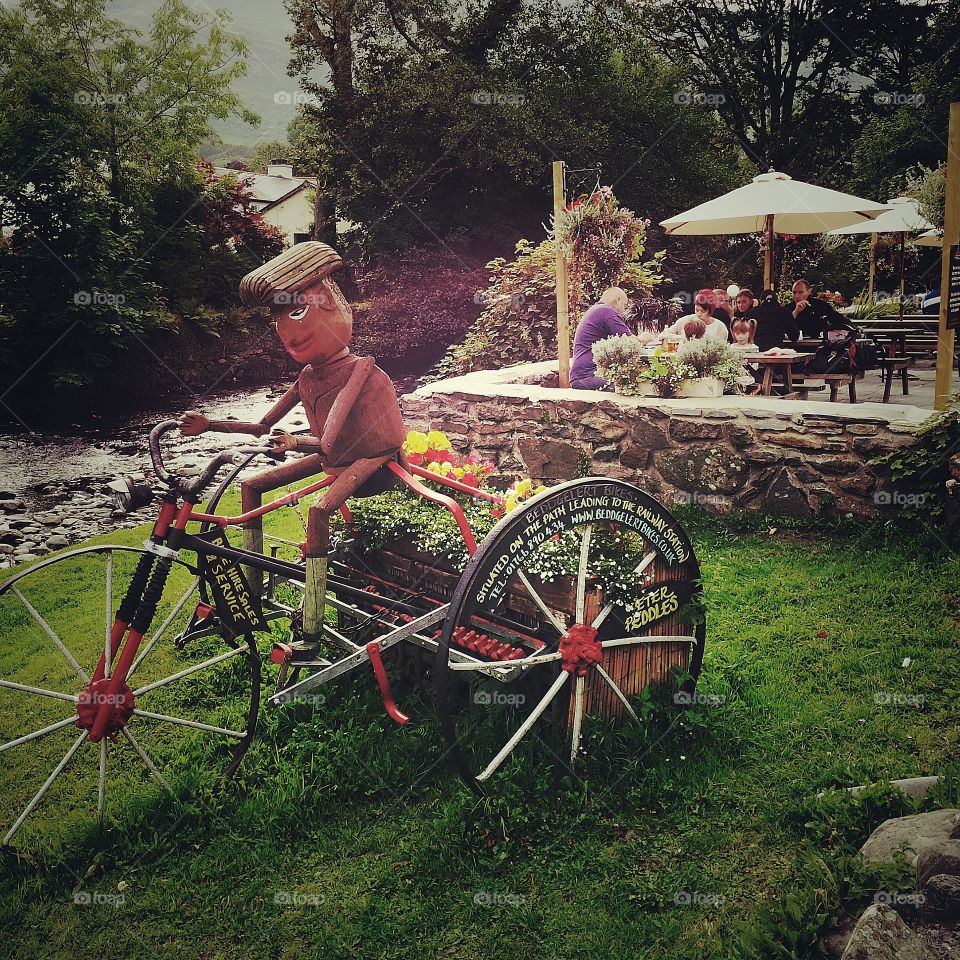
(266, 191)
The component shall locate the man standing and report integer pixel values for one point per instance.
(814, 317)
(602, 320)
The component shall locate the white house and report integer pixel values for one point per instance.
(285, 201)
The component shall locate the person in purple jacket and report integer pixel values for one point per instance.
(602, 320)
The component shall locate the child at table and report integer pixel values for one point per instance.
(743, 331)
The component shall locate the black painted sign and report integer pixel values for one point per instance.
(237, 607)
(571, 506)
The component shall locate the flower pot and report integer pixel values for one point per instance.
(702, 387)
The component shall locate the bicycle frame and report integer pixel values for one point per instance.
(170, 537)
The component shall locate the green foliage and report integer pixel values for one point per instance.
(103, 208)
(926, 475)
(711, 357)
(622, 362)
(518, 323)
(929, 187)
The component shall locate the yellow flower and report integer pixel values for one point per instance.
(446, 467)
(437, 440)
(416, 442)
(510, 503)
(458, 472)
(539, 490)
(523, 488)
(433, 466)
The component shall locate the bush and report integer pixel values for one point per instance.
(621, 361)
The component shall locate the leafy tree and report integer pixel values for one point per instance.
(431, 143)
(99, 129)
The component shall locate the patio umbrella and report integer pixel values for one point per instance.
(774, 203)
(932, 238)
(902, 218)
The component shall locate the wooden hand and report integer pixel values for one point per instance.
(193, 423)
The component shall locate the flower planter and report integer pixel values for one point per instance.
(702, 387)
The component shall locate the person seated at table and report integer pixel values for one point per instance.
(775, 323)
(703, 310)
(723, 306)
(745, 303)
(604, 319)
(744, 331)
(813, 315)
(694, 329)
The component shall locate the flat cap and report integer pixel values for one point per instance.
(288, 272)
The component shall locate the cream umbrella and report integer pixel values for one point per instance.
(932, 238)
(903, 217)
(774, 203)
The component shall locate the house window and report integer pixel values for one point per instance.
(301, 237)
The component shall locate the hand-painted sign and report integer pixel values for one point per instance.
(237, 607)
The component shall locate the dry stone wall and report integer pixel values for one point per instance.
(796, 458)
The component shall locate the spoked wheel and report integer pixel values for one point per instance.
(571, 606)
(183, 718)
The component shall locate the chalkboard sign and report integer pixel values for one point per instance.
(237, 607)
(953, 300)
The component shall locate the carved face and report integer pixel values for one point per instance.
(314, 324)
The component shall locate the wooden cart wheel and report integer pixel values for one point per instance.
(571, 606)
(185, 719)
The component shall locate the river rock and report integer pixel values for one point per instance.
(941, 897)
(911, 834)
(57, 541)
(25, 557)
(880, 934)
(5, 549)
(916, 787)
(940, 858)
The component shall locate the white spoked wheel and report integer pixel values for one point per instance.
(181, 718)
(572, 605)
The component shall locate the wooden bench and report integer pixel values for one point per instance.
(833, 380)
(895, 366)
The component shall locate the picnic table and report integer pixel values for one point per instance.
(772, 362)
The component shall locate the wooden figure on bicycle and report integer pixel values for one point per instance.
(350, 404)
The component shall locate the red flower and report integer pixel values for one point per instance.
(822, 634)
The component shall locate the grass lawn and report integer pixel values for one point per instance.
(345, 836)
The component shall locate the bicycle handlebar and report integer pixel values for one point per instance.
(209, 472)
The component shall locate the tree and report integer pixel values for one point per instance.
(99, 130)
(777, 71)
(432, 144)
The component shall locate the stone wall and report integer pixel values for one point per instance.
(797, 458)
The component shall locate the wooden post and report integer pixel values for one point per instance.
(951, 236)
(768, 254)
(903, 240)
(563, 291)
(873, 267)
